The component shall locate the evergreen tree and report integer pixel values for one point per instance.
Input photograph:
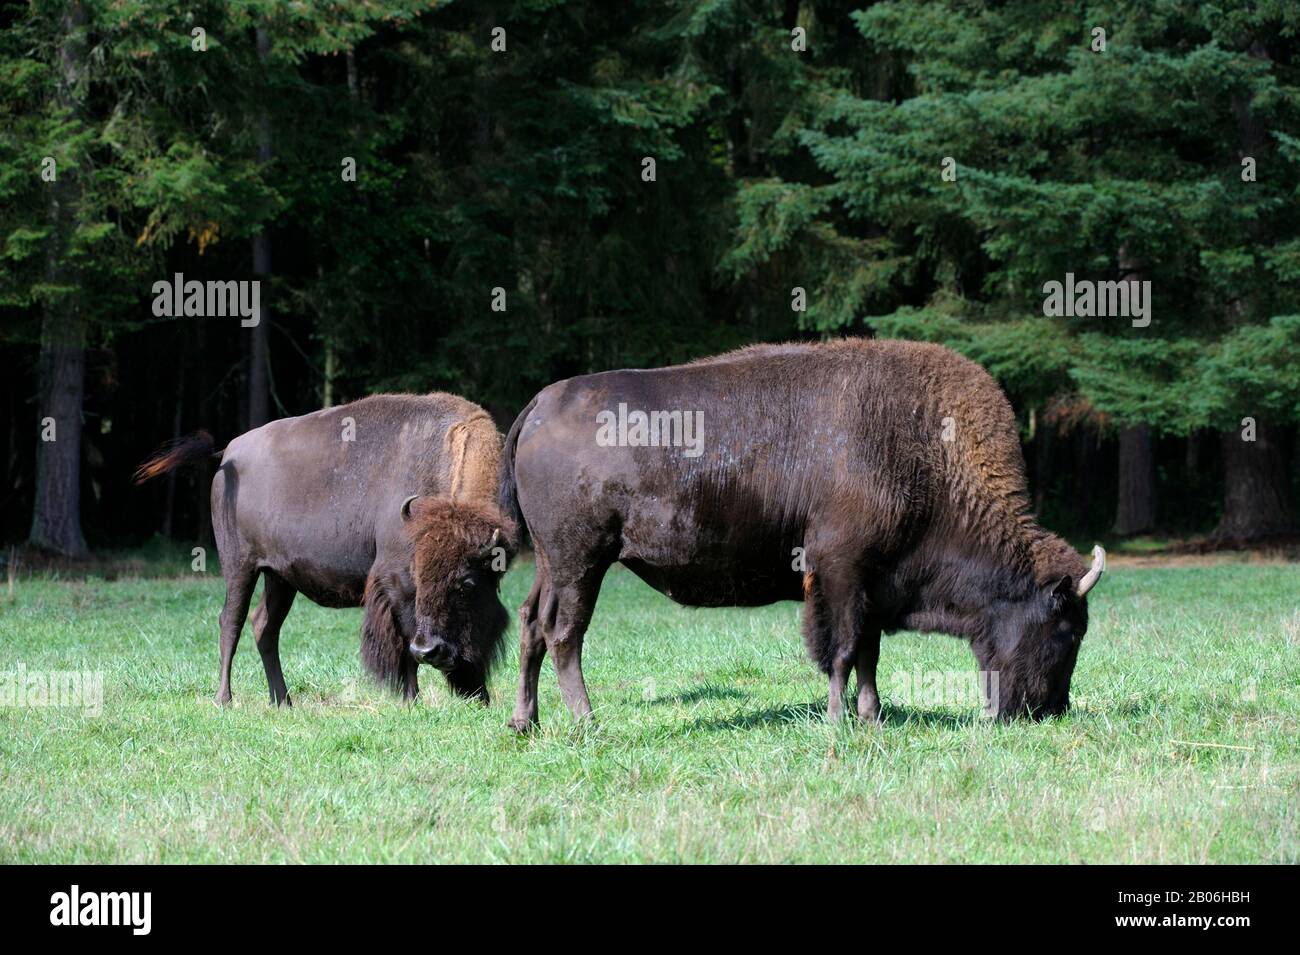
(1021, 144)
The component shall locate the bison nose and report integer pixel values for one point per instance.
(432, 650)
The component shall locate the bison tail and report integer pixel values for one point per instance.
(818, 637)
(183, 451)
(507, 488)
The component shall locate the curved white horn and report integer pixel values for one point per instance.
(406, 507)
(1094, 573)
(492, 544)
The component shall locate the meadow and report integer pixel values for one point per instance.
(710, 744)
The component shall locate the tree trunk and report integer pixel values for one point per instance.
(331, 370)
(56, 514)
(1192, 458)
(169, 514)
(1256, 486)
(259, 384)
(1085, 466)
(1136, 512)
(1042, 438)
(203, 413)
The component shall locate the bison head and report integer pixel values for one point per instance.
(1030, 646)
(461, 551)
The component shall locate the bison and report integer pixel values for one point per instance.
(880, 482)
(388, 502)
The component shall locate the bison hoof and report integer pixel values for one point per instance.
(524, 727)
(222, 699)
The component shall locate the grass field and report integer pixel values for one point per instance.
(1182, 746)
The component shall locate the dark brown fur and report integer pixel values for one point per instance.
(460, 575)
(837, 449)
(383, 648)
(316, 505)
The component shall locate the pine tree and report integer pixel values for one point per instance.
(1020, 144)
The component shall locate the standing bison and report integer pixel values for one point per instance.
(881, 482)
(387, 502)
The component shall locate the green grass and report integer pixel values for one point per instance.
(1182, 745)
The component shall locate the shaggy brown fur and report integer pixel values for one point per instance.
(319, 504)
(461, 550)
(463, 524)
(893, 469)
(450, 541)
(383, 648)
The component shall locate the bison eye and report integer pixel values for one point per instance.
(467, 583)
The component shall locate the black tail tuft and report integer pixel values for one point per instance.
(187, 450)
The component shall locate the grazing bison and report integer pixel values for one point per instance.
(388, 502)
(881, 482)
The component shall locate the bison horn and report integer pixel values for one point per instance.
(491, 545)
(1094, 573)
(406, 507)
(496, 539)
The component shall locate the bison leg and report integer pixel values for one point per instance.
(277, 598)
(532, 650)
(840, 666)
(574, 605)
(868, 657)
(240, 582)
(843, 606)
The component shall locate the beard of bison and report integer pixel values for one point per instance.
(459, 552)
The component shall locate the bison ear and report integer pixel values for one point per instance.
(406, 507)
(1062, 590)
